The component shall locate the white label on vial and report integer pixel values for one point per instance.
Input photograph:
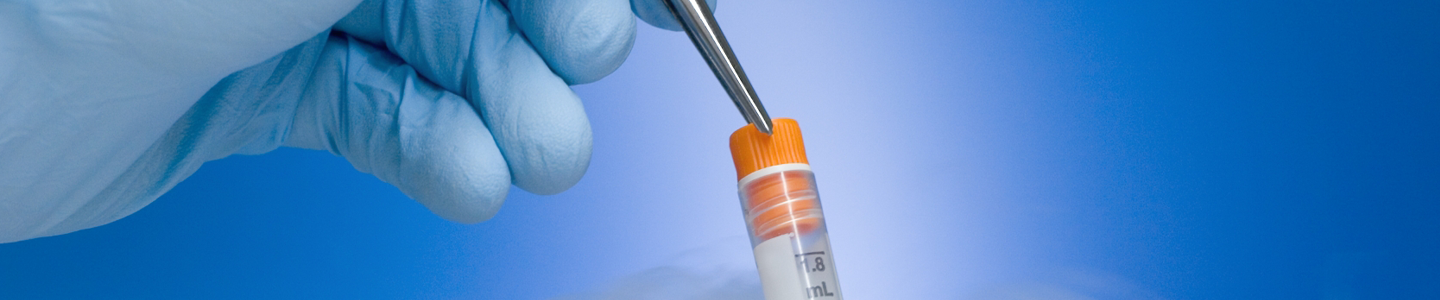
(775, 258)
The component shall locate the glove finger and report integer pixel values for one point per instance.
(582, 41)
(537, 120)
(657, 14)
(474, 49)
(366, 105)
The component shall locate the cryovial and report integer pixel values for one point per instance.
(782, 212)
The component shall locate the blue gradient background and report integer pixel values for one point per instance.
(988, 150)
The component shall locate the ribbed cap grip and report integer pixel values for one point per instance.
(754, 150)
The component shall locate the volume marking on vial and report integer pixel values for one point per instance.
(822, 290)
(819, 265)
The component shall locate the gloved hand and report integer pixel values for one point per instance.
(104, 106)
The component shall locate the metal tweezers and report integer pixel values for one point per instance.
(700, 25)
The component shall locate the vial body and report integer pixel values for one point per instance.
(782, 211)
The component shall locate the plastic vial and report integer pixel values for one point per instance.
(782, 212)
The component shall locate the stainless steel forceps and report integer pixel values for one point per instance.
(700, 25)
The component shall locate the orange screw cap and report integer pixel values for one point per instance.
(754, 150)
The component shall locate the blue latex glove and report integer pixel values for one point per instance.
(105, 106)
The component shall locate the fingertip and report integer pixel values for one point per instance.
(427, 141)
(560, 170)
(539, 124)
(548, 143)
(582, 41)
(450, 162)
